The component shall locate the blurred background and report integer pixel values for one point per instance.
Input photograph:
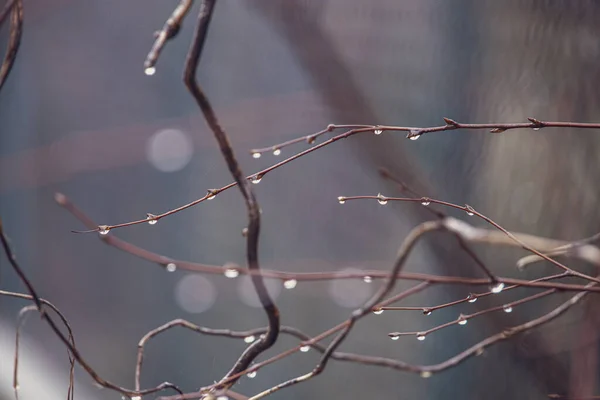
(78, 116)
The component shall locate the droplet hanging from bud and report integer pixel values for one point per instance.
(341, 199)
(151, 219)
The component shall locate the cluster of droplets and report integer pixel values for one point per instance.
(381, 199)
(290, 283)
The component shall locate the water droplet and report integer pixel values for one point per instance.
(471, 298)
(415, 134)
(368, 279)
(420, 336)
(276, 152)
(212, 193)
(507, 308)
(103, 229)
(150, 71)
(256, 154)
(341, 199)
(151, 219)
(497, 287)
(171, 267)
(378, 131)
(222, 397)
(249, 339)
(310, 139)
(305, 349)
(251, 374)
(537, 128)
(231, 273)
(426, 311)
(462, 320)
(394, 336)
(136, 398)
(290, 283)
(381, 199)
(245, 232)
(378, 311)
(256, 179)
(470, 211)
(426, 374)
(425, 201)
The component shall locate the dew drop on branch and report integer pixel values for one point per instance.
(497, 287)
(256, 154)
(305, 349)
(256, 179)
(276, 152)
(469, 210)
(378, 131)
(415, 134)
(462, 320)
(150, 71)
(367, 279)
(251, 374)
(103, 229)
(151, 219)
(290, 283)
(249, 339)
(341, 199)
(394, 336)
(426, 374)
(171, 267)
(507, 308)
(471, 298)
(378, 311)
(381, 199)
(427, 311)
(212, 193)
(420, 336)
(425, 201)
(231, 273)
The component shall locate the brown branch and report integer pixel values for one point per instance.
(169, 31)
(193, 57)
(14, 40)
(467, 231)
(296, 277)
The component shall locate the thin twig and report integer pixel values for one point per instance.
(465, 230)
(40, 306)
(14, 40)
(169, 31)
(164, 261)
